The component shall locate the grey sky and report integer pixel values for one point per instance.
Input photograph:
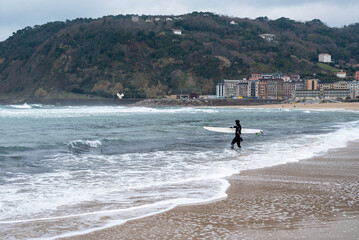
(17, 14)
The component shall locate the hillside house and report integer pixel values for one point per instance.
(135, 18)
(268, 37)
(341, 74)
(177, 31)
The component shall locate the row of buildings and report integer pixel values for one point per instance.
(279, 86)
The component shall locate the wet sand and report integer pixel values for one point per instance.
(311, 199)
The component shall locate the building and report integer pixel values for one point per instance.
(270, 88)
(292, 77)
(299, 85)
(354, 89)
(356, 75)
(325, 86)
(227, 89)
(256, 76)
(325, 58)
(268, 37)
(340, 85)
(289, 90)
(233, 23)
(272, 76)
(353, 85)
(311, 84)
(232, 89)
(341, 74)
(253, 88)
(322, 94)
(243, 89)
(135, 18)
(177, 31)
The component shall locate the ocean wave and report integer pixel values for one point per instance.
(23, 106)
(40, 111)
(9, 149)
(84, 144)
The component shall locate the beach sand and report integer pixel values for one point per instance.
(311, 199)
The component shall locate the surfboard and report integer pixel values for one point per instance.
(232, 130)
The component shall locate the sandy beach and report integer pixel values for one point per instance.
(341, 105)
(316, 198)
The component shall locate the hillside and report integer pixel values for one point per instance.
(100, 57)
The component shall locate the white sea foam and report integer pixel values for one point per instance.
(23, 106)
(70, 112)
(89, 143)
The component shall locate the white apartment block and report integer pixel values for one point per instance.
(325, 58)
(232, 88)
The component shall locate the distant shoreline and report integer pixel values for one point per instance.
(71, 101)
(308, 106)
(142, 102)
(216, 103)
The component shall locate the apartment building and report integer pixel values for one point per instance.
(356, 75)
(325, 58)
(311, 84)
(232, 88)
(270, 88)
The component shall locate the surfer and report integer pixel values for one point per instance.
(237, 139)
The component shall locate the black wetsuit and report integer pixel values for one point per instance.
(237, 139)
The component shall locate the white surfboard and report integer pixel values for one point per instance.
(232, 130)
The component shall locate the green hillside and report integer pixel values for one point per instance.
(100, 57)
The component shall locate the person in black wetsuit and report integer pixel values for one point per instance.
(237, 139)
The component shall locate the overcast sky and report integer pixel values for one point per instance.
(18, 14)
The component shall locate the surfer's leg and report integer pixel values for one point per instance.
(233, 142)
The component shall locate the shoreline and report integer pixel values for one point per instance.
(307, 106)
(195, 103)
(315, 198)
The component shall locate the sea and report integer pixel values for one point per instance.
(70, 170)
